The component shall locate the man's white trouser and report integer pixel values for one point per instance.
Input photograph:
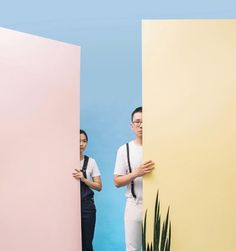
(133, 225)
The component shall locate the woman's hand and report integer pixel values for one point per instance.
(78, 175)
(96, 182)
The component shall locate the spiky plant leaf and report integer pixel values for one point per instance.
(144, 231)
(161, 239)
(157, 224)
(166, 245)
(149, 248)
(169, 237)
(164, 231)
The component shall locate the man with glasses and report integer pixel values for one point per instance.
(129, 170)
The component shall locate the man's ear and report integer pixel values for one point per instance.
(131, 126)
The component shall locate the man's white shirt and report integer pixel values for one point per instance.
(122, 168)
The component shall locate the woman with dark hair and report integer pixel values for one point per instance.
(89, 176)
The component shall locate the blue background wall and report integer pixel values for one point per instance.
(109, 33)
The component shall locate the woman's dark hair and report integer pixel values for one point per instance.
(83, 132)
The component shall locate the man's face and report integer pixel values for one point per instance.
(137, 124)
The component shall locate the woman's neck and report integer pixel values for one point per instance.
(81, 156)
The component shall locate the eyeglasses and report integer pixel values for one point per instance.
(137, 122)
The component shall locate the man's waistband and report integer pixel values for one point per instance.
(133, 200)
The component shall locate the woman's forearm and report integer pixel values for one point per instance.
(96, 184)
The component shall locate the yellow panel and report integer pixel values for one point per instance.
(189, 97)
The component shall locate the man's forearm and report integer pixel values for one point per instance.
(123, 180)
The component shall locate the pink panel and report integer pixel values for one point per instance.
(39, 149)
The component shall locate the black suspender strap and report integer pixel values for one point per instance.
(130, 170)
(86, 192)
(86, 159)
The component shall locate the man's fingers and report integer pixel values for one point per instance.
(149, 166)
(148, 162)
(149, 170)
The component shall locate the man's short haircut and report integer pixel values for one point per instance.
(83, 132)
(138, 109)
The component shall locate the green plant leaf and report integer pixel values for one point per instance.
(164, 231)
(157, 224)
(144, 231)
(161, 239)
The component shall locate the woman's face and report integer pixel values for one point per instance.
(83, 142)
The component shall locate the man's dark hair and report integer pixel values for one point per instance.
(83, 132)
(138, 109)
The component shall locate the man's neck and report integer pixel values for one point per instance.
(138, 141)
